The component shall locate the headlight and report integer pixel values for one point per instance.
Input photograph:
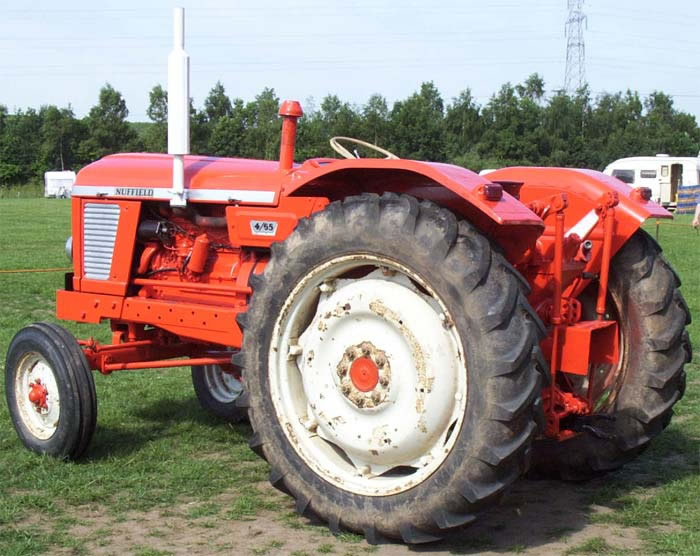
(69, 247)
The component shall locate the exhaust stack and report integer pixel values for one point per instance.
(290, 111)
(178, 107)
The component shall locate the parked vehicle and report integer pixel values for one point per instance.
(663, 174)
(58, 183)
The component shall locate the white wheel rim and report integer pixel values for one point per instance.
(393, 436)
(34, 372)
(223, 387)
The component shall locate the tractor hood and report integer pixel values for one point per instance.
(209, 179)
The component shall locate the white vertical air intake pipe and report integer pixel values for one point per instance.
(178, 107)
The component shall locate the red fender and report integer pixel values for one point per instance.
(584, 189)
(380, 175)
(507, 221)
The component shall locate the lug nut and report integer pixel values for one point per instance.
(327, 287)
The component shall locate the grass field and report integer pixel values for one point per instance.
(31, 190)
(161, 463)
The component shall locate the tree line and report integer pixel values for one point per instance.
(518, 125)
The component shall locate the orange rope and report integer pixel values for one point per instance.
(17, 271)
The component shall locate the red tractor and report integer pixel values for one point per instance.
(407, 338)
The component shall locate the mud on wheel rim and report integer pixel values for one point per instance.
(349, 380)
(37, 395)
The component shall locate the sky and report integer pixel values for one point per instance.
(62, 53)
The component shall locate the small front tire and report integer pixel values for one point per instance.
(50, 391)
(220, 393)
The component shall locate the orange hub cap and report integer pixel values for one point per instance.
(38, 394)
(364, 374)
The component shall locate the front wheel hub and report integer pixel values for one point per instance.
(36, 391)
(38, 394)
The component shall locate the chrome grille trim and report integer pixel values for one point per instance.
(100, 223)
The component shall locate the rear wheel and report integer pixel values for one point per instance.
(50, 391)
(219, 392)
(639, 393)
(393, 368)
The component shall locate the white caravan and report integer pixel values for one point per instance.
(58, 184)
(663, 174)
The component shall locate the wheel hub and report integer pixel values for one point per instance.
(365, 375)
(38, 394)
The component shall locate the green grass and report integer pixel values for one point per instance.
(596, 545)
(155, 449)
(32, 189)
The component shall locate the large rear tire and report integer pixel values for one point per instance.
(50, 391)
(650, 379)
(393, 367)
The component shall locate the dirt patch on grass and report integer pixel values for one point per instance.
(536, 517)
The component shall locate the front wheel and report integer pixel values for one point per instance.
(50, 391)
(392, 363)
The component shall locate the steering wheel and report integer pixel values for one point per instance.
(342, 151)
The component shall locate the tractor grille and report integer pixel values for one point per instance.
(100, 223)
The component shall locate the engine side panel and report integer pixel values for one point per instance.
(104, 233)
